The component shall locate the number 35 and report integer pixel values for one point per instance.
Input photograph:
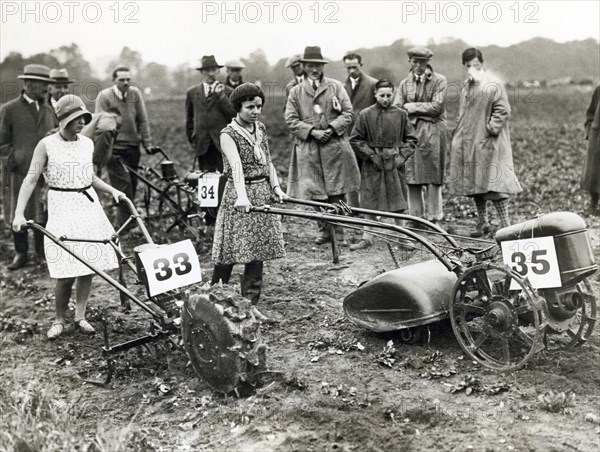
(181, 263)
(538, 266)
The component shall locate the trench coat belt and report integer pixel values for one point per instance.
(82, 190)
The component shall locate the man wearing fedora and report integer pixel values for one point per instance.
(24, 121)
(423, 95)
(318, 113)
(294, 64)
(234, 78)
(60, 85)
(208, 111)
(134, 130)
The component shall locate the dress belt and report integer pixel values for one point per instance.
(77, 190)
(252, 180)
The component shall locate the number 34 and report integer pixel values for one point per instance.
(181, 263)
(538, 266)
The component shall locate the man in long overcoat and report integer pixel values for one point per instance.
(24, 121)
(423, 95)
(591, 170)
(207, 112)
(318, 113)
(481, 163)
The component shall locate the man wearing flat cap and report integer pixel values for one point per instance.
(24, 121)
(234, 78)
(318, 113)
(60, 85)
(423, 95)
(294, 64)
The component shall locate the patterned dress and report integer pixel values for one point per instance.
(245, 237)
(74, 214)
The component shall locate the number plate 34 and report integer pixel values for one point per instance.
(535, 259)
(171, 267)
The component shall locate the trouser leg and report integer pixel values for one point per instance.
(416, 203)
(119, 178)
(434, 202)
(594, 199)
(221, 272)
(251, 281)
(367, 232)
(481, 205)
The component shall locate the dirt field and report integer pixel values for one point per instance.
(337, 387)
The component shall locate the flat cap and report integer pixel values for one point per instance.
(235, 64)
(293, 60)
(420, 53)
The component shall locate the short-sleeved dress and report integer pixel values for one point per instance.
(245, 237)
(74, 214)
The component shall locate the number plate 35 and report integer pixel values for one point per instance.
(171, 267)
(534, 259)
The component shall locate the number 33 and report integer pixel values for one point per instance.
(181, 263)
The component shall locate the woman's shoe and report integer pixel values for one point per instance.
(55, 330)
(481, 230)
(85, 327)
(363, 244)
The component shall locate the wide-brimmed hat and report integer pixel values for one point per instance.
(420, 53)
(70, 107)
(60, 76)
(293, 60)
(312, 54)
(235, 64)
(36, 72)
(208, 62)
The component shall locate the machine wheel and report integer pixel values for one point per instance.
(222, 339)
(495, 325)
(580, 327)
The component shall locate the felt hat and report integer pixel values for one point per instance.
(312, 54)
(208, 62)
(420, 53)
(36, 72)
(70, 107)
(60, 76)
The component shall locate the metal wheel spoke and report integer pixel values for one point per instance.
(480, 340)
(469, 307)
(524, 337)
(506, 285)
(505, 350)
(571, 334)
(524, 308)
(484, 283)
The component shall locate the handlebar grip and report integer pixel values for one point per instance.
(153, 150)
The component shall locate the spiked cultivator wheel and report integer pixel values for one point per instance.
(222, 339)
(499, 326)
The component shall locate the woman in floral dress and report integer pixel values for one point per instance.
(74, 211)
(242, 236)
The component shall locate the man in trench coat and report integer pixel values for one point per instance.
(591, 171)
(318, 113)
(423, 95)
(24, 121)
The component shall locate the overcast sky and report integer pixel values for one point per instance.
(177, 32)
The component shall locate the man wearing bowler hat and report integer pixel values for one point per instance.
(318, 113)
(423, 95)
(24, 121)
(60, 85)
(234, 78)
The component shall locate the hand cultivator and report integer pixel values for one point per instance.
(502, 311)
(220, 333)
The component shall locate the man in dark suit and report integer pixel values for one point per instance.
(208, 110)
(295, 65)
(24, 121)
(361, 90)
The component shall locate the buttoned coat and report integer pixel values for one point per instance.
(21, 128)
(425, 104)
(320, 170)
(481, 158)
(206, 117)
(591, 170)
(362, 96)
